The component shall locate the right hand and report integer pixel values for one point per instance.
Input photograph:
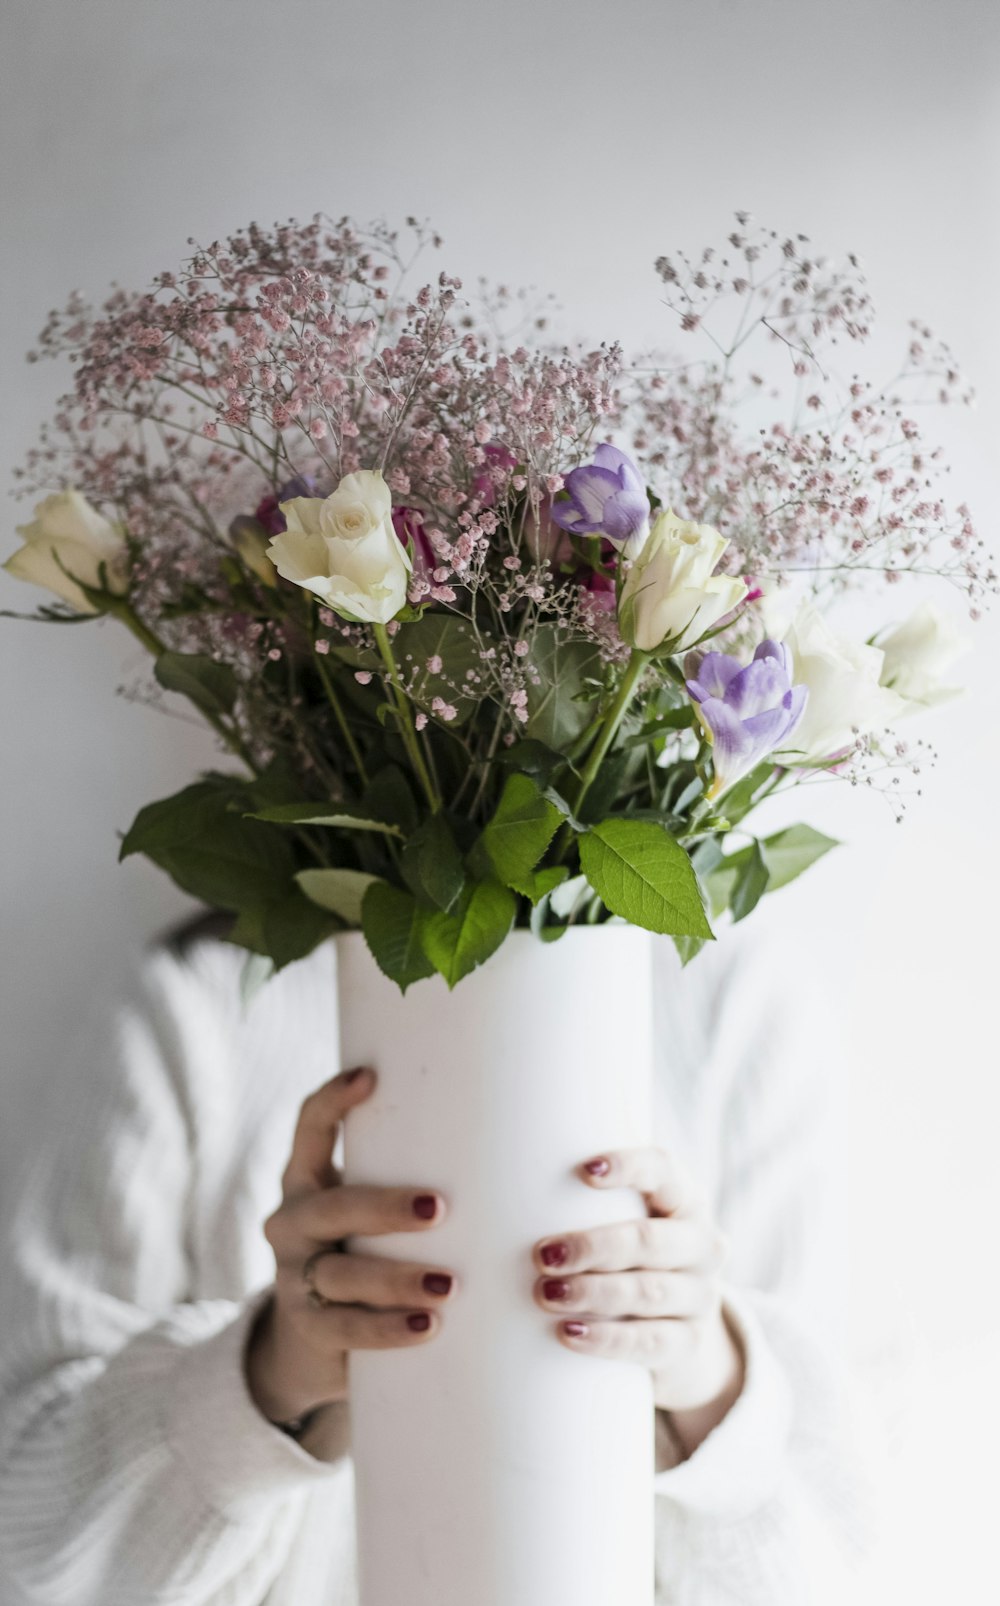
(327, 1301)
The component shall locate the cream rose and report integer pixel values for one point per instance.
(68, 541)
(843, 678)
(344, 549)
(671, 595)
(919, 653)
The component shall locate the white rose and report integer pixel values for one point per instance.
(919, 653)
(844, 682)
(345, 550)
(671, 593)
(67, 531)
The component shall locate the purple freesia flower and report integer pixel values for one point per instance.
(606, 497)
(746, 711)
(408, 523)
(268, 511)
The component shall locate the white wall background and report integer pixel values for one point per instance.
(565, 144)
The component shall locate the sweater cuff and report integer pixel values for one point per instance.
(232, 1453)
(737, 1467)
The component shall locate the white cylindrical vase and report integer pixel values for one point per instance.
(493, 1466)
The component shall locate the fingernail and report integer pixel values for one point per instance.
(425, 1206)
(575, 1329)
(598, 1168)
(352, 1076)
(555, 1288)
(437, 1282)
(555, 1254)
(418, 1322)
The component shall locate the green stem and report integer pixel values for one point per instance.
(406, 725)
(611, 722)
(121, 611)
(608, 729)
(345, 729)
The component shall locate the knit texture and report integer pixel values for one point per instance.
(134, 1467)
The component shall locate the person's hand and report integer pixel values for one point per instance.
(648, 1290)
(326, 1301)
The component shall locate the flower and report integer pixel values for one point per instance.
(498, 465)
(408, 523)
(845, 691)
(746, 712)
(918, 653)
(67, 542)
(606, 497)
(268, 510)
(671, 596)
(345, 550)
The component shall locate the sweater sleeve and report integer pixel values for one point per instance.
(774, 1507)
(134, 1466)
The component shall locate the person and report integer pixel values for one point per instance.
(178, 1319)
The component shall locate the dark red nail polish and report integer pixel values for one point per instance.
(352, 1076)
(437, 1282)
(418, 1322)
(555, 1288)
(598, 1168)
(425, 1206)
(575, 1329)
(555, 1254)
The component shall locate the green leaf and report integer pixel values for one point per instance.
(340, 891)
(674, 720)
(532, 758)
(458, 941)
(444, 636)
(393, 924)
(203, 840)
(787, 853)
(738, 801)
(389, 797)
(750, 885)
(643, 874)
(211, 686)
(284, 930)
(561, 705)
(324, 814)
(519, 833)
(432, 864)
(688, 948)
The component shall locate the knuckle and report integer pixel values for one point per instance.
(653, 1290)
(647, 1235)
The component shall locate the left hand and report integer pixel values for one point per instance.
(647, 1290)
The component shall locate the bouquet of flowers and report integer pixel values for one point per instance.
(481, 668)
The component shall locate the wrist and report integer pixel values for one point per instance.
(691, 1417)
(277, 1376)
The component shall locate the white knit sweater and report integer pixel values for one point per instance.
(134, 1467)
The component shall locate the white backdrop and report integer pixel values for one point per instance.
(565, 145)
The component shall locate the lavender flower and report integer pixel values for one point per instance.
(746, 712)
(606, 497)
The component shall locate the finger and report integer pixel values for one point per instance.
(350, 1327)
(369, 1280)
(310, 1164)
(652, 1243)
(663, 1182)
(656, 1344)
(629, 1294)
(324, 1216)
